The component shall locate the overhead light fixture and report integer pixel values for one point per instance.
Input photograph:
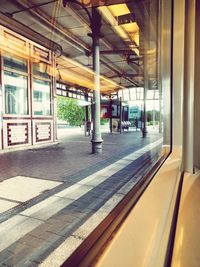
(125, 19)
(123, 23)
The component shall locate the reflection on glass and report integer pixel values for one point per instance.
(114, 110)
(41, 97)
(16, 93)
(15, 63)
(41, 70)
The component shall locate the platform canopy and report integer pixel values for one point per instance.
(68, 27)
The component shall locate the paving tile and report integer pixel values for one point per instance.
(6, 205)
(48, 236)
(31, 241)
(75, 191)
(37, 256)
(15, 228)
(94, 205)
(128, 186)
(5, 256)
(60, 222)
(37, 231)
(30, 264)
(55, 219)
(21, 188)
(66, 229)
(86, 228)
(59, 255)
(18, 256)
(42, 211)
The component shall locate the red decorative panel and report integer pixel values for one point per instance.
(105, 111)
(43, 131)
(17, 133)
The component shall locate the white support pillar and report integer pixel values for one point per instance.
(197, 90)
(165, 70)
(178, 74)
(188, 87)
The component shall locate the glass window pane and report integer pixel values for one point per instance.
(15, 63)
(41, 70)
(41, 97)
(16, 93)
(114, 111)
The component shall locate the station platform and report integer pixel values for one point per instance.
(53, 197)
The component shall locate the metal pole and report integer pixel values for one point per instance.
(96, 134)
(92, 110)
(120, 120)
(153, 111)
(160, 108)
(86, 115)
(144, 129)
(110, 103)
(86, 108)
(146, 78)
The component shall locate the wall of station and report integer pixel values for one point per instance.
(27, 92)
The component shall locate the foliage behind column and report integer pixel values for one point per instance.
(68, 110)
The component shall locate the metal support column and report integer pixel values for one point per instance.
(144, 129)
(86, 108)
(145, 72)
(120, 120)
(160, 109)
(95, 25)
(110, 107)
(96, 35)
(87, 120)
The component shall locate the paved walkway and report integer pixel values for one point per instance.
(53, 197)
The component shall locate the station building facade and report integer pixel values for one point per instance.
(27, 92)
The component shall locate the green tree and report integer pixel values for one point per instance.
(69, 110)
(150, 115)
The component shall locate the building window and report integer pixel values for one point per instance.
(41, 97)
(15, 84)
(16, 93)
(15, 63)
(41, 70)
(41, 89)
